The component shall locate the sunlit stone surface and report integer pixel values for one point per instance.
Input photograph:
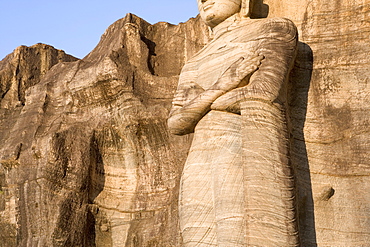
(87, 160)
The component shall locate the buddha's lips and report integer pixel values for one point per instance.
(208, 6)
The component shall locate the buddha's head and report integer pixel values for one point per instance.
(213, 12)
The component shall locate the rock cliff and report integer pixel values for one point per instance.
(87, 160)
(329, 112)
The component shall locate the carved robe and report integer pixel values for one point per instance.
(213, 196)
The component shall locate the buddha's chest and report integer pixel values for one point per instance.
(209, 64)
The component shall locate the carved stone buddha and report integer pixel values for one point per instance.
(237, 185)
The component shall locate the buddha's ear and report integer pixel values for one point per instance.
(246, 8)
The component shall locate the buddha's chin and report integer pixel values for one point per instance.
(210, 17)
(212, 20)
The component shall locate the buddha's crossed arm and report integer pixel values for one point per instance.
(184, 116)
(278, 46)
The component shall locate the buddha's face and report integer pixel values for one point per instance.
(213, 12)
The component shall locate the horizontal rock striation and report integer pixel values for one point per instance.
(86, 158)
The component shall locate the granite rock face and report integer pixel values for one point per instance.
(19, 71)
(24, 68)
(86, 158)
(329, 110)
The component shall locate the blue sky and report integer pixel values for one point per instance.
(75, 26)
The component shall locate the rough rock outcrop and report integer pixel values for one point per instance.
(19, 71)
(24, 68)
(85, 156)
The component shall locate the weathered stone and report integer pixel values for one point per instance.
(63, 163)
(237, 187)
(329, 111)
(19, 71)
(86, 158)
(24, 68)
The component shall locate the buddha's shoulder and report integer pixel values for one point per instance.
(273, 27)
(280, 25)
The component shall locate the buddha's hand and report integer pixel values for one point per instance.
(230, 101)
(238, 73)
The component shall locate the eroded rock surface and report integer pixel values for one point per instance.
(329, 107)
(86, 158)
